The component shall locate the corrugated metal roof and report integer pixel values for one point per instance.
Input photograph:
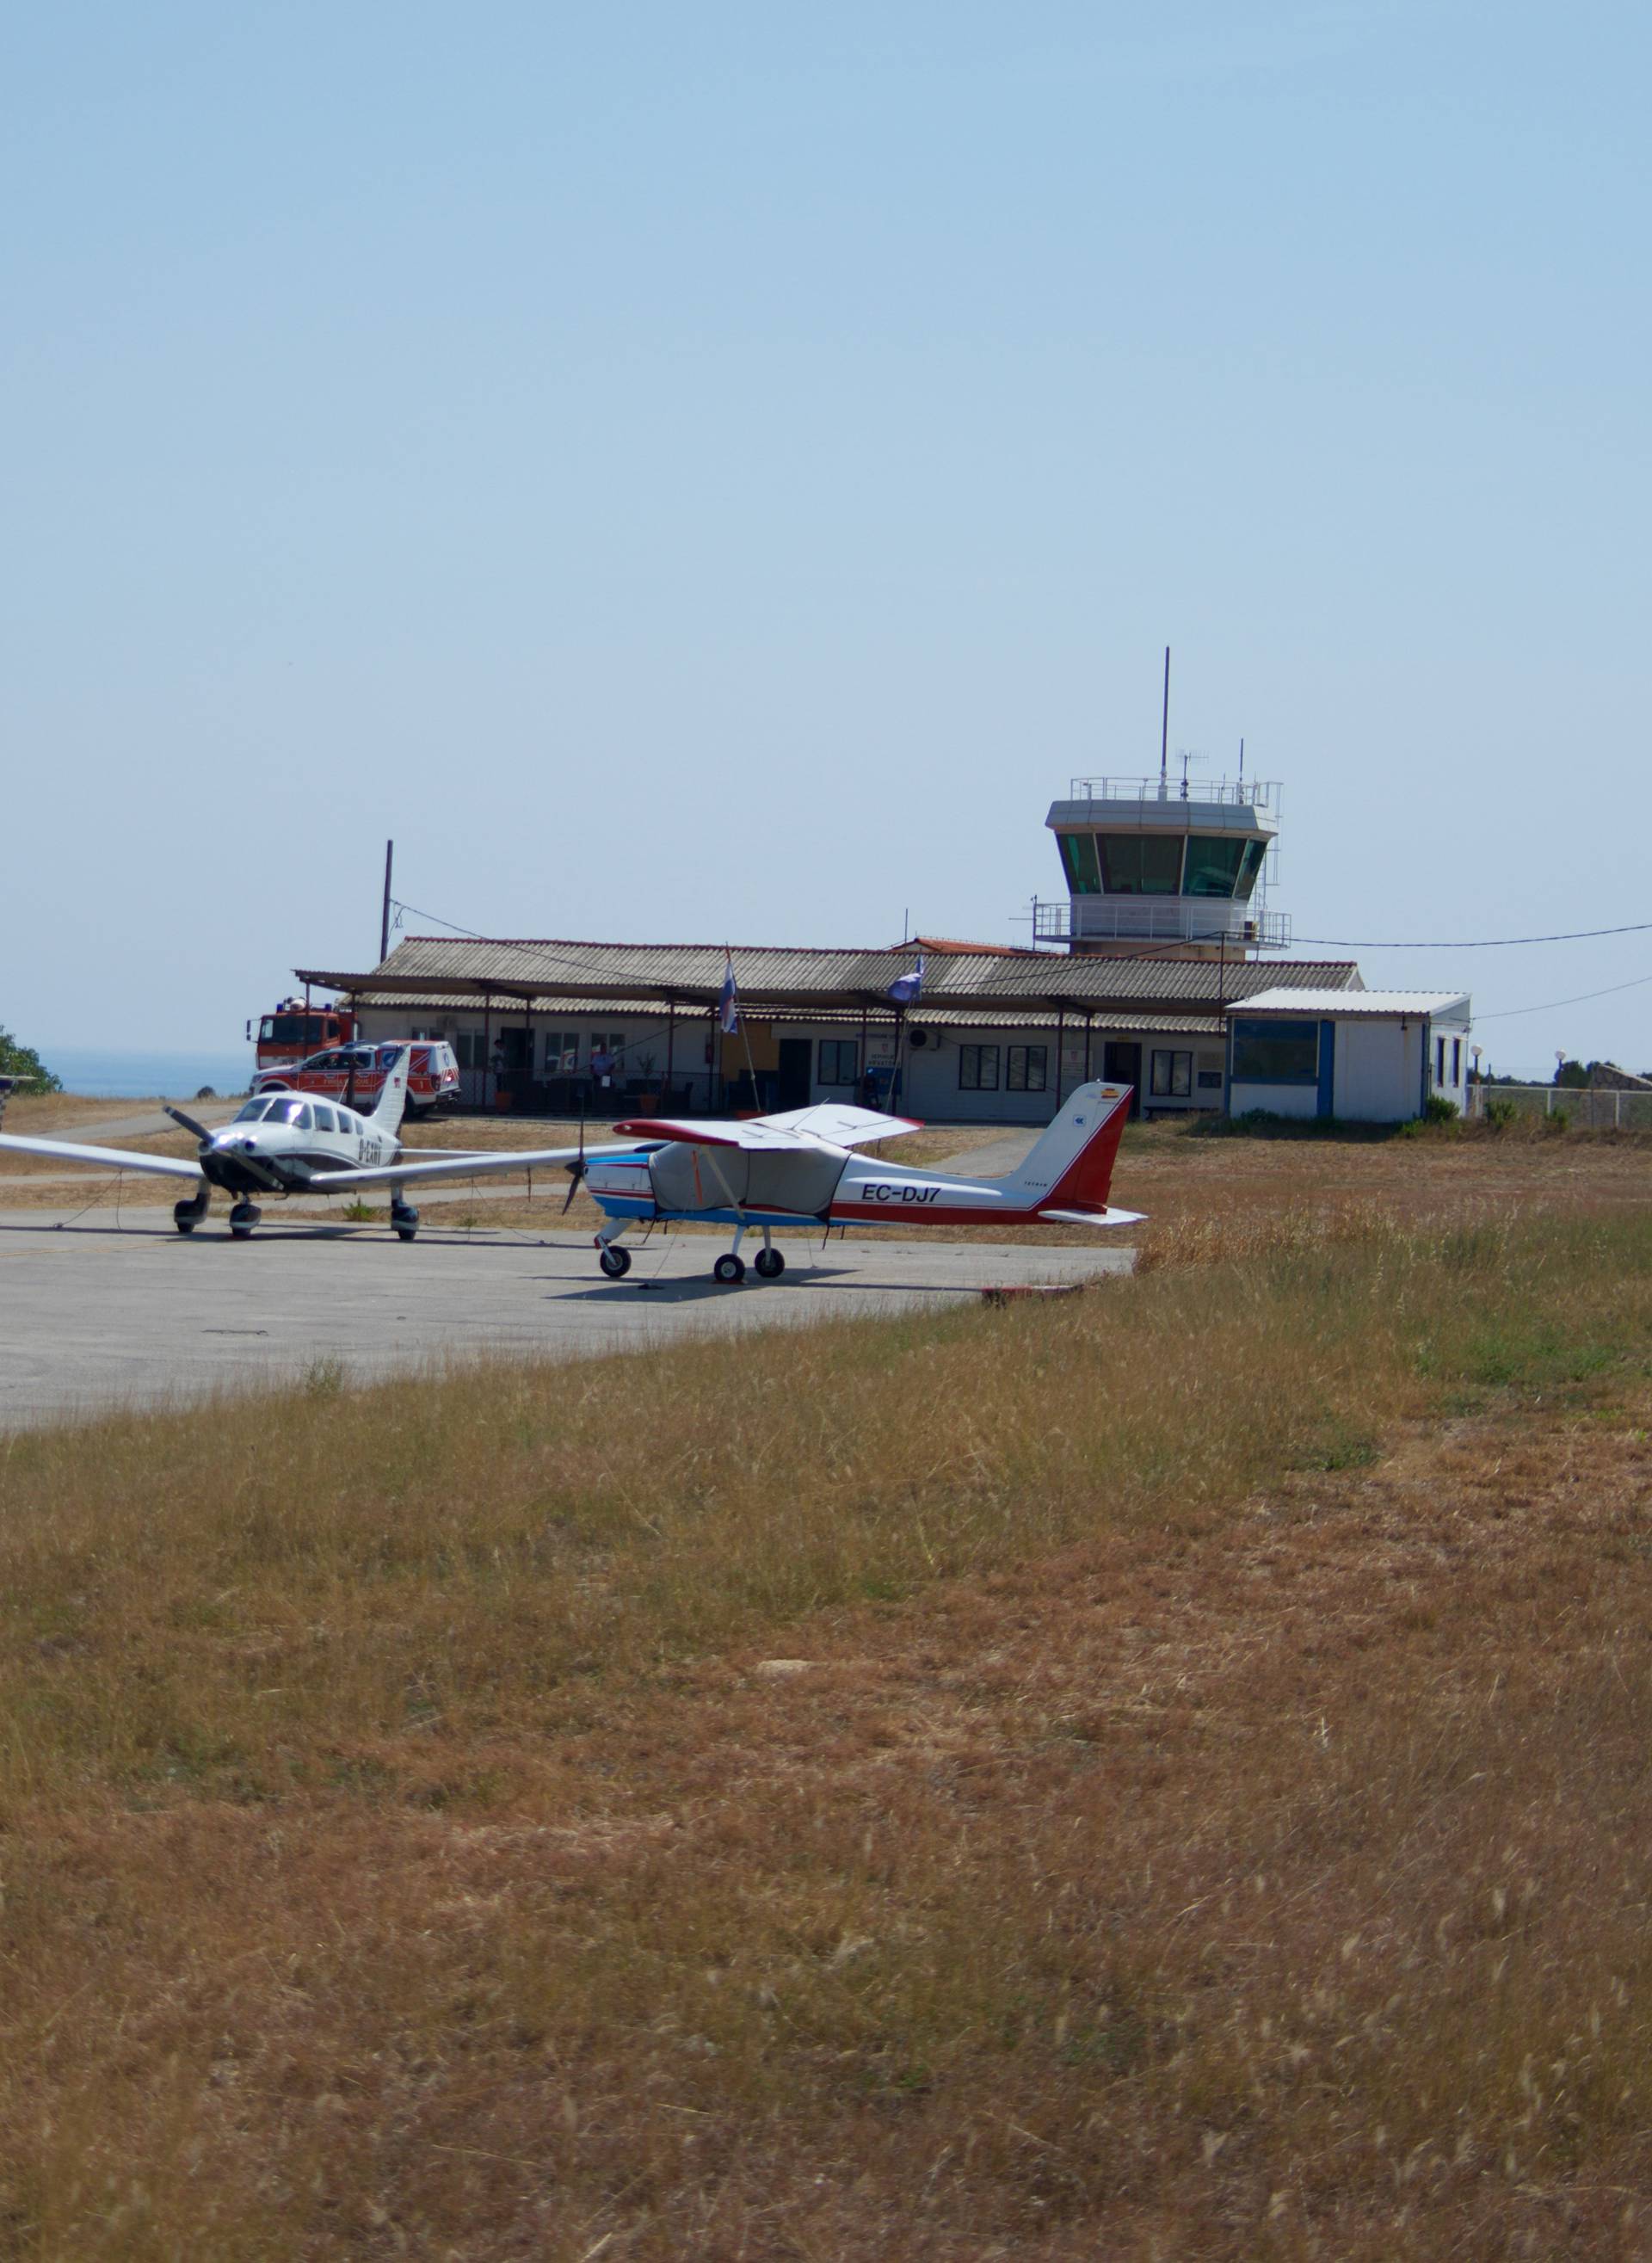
(430, 967)
(1351, 1004)
(923, 1014)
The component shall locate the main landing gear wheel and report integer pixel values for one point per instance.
(243, 1218)
(615, 1262)
(405, 1219)
(770, 1264)
(729, 1268)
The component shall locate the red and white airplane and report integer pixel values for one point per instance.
(800, 1170)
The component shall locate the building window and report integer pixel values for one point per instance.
(1024, 1068)
(978, 1068)
(1255, 851)
(840, 1061)
(1172, 1076)
(1456, 1060)
(1213, 865)
(562, 1051)
(1077, 855)
(469, 1050)
(1275, 1053)
(1141, 864)
(1440, 1060)
(1210, 1079)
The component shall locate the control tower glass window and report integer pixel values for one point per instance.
(1250, 870)
(1077, 855)
(1141, 864)
(1213, 865)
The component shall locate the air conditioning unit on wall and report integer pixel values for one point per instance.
(921, 1037)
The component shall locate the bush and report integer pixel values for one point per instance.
(1498, 1115)
(23, 1060)
(1438, 1109)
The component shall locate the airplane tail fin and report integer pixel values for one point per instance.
(392, 1097)
(1070, 1166)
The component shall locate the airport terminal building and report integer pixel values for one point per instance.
(1140, 974)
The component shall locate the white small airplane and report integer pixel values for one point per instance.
(800, 1170)
(290, 1143)
(796, 1171)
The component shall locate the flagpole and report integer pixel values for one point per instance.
(746, 1035)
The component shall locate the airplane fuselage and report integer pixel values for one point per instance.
(276, 1145)
(835, 1190)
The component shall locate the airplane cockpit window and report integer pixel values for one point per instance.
(254, 1112)
(295, 1112)
(324, 1118)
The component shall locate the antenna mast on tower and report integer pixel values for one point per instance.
(1164, 736)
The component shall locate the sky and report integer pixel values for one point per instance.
(717, 472)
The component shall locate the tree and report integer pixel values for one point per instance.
(1572, 1074)
(23, 1060)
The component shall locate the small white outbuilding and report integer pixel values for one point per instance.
(1366, 1056)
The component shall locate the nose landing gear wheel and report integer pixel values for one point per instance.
(243, 1218)
(770, 1264)
(729, 1269)
(615, 1262)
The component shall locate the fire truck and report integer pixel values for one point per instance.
(288, 1035)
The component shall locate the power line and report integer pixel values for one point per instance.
(1507, 1012)
(1481, 943)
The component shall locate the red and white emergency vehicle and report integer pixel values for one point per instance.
(293, 1031)
(356, 1074)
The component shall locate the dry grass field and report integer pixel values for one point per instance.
(1163, 1774)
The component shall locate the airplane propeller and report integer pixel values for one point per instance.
(576, 1170)
(190, 1125)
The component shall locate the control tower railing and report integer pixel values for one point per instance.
(1160, 919)
(1239, 793)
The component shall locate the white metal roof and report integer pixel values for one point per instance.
(1348, 1005)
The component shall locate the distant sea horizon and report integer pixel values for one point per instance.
(101, 1073)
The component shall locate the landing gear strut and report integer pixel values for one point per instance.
(404, 1218)
(731, 1267)
(613, 1261)
(243, 1218)
(186, 1216)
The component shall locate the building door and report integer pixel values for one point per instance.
(1122, 1065)
(796, 1055)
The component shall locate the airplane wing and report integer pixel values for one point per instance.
(831, 1124)
(844, 1126)
(481, 1163)
(718, 1131)
(118, 1159)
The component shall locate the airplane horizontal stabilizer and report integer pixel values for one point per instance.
(1092, 1216)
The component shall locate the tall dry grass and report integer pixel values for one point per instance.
(1212, 1822)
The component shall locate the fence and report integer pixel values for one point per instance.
(1588, 1110)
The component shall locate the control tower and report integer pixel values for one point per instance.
(1146, 864)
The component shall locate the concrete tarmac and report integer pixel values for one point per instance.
(94, 1317)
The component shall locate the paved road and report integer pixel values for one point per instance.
(92, 1317)
(994, 1160)
(134, 1127)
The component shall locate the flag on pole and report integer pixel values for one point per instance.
(728, 1004)
(905, 989)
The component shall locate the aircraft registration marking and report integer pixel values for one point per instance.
(883, 1191)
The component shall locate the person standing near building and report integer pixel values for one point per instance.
(602, 1073)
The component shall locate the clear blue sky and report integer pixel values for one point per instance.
(691, 472)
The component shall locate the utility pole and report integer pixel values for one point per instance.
(384, 921)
